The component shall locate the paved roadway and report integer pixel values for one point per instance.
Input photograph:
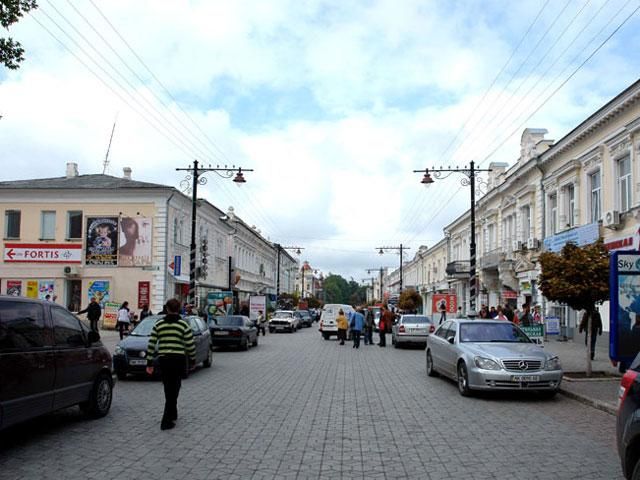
(301, 407)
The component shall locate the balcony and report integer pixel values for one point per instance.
(458, 269)
(491, 260)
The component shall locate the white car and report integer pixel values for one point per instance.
(328, 326)
(284, 321)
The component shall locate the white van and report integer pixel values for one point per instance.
(328, 316)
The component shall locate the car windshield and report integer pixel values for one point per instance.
(145, 326)
(283, 315)
(229, 321)
(492, 332)
(416, 319)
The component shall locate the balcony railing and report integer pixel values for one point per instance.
(491, 259)
(458, 269)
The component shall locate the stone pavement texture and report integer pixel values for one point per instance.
(301, 407)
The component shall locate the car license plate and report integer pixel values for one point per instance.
(136, 361)
(525, 378)
(222, 332)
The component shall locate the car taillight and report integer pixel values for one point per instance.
(625, 385)
(401, 329)
(235, 333)
(432, 328)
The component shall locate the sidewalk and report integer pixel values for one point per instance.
(600, 393)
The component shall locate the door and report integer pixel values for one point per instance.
(76, 363)
(436, 345)
(27, 362)
(74, 295)
(450, 351)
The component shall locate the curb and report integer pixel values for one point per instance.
(603, 406)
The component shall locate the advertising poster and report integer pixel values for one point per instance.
(624, 314)
(219, 303)
(102, 241)
(14, 288)
(32, 288)
(134, 246)
(449, 301)
(110, 314)
(45, 287)
(257, 302)
(100, 290)
(144, 293)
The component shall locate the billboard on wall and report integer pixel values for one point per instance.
(219, 303)
(134, 244)
(100, 290)
(256, 303)
(45, 287)
(14, 288)
(448, 300)
(102, 241)
(624, 314)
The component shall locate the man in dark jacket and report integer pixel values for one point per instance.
(93, 312)
(172, 341)
(596, 329)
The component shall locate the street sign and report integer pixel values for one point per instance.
(42, 253)
(177, 265)
(552, 325)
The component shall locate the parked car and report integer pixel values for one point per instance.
(491, 355)
(412, 329)
(628, 421)
(284, 321)
(328, 316)
(49, 359)
(233, 330)
(304, 318)
(130, 356)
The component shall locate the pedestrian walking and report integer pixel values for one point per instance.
(124, 319)
(93, 312)
(442, 307)
(369, 325)
(596, 329)
(500, 314)
(343, 324)
(386, 322)
(493, 313)
(145, 312)
(172, 342)
(261, 323)
(357, 324)
(508, 312)
(524, 318)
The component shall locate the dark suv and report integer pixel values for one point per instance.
(628, 424)
(49, 360)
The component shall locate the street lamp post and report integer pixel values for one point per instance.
(382, 250)
(369, 270)
(279, 249)
(195, 172)
(470, 180)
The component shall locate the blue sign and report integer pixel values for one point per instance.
(552, 325)
(585, 235)
(624, 313)
(177, 265)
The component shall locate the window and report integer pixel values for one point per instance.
(12, 224)
(624, 184)
(66, 328)
(74, 224)
(21, 326)
(48, 225)
(570, 192)
(553, 214)
(596, 198)
(525, 216)
(491, 241)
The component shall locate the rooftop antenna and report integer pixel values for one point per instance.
(105, 164)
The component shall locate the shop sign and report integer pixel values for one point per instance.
(42, 253)
(584, 235)
(631, 242)
(508, 294)
(110, 314)
(552, 325)
(525, 288)
(534, 332)
(144, 289)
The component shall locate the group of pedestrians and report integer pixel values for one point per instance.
(361, 323)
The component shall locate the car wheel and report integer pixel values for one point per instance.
(463, 380)
(245, 344)
(255, 342)
(99, 401)
(430, 370)
(325, 336)
(208, 360)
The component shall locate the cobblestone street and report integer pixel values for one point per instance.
(301, 407)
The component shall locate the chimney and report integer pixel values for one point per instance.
(72, 170)
(126, 173)
(498, 169)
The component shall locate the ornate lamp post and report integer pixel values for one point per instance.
(383, 250)
(470, 180)
(194, 176)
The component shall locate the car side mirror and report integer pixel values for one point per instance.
(451, 340)
(93, 337)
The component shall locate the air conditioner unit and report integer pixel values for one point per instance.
(533, 244)
(72, 271)
(611, 219)
(517, 246)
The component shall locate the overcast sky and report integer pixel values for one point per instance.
(332, 103)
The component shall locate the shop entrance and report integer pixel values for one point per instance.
(73, 298)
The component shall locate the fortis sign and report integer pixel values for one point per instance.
(39, 253)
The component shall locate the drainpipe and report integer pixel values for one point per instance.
(166, 250)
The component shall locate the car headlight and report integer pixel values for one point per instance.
(486, 363)
(553, 363)
(119, 350)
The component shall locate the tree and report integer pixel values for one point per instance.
(11, 52)
(578, 277)
(409, 300)
(338, 290)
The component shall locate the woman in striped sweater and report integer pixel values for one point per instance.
(172, 342)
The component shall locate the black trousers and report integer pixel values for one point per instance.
(94, 324)
(172, 367)
(123, 327)
(383, 338)
(261, 327)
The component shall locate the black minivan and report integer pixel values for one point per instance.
(49, 360)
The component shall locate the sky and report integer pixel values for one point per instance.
(333, 104)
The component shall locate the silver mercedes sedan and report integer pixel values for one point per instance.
(491, 355)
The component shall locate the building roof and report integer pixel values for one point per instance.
(98, 181)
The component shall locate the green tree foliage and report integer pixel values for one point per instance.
(338, 290)
(578, 277)
(409, 300)
(287, 301)
(11, 51)
(313, 302)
